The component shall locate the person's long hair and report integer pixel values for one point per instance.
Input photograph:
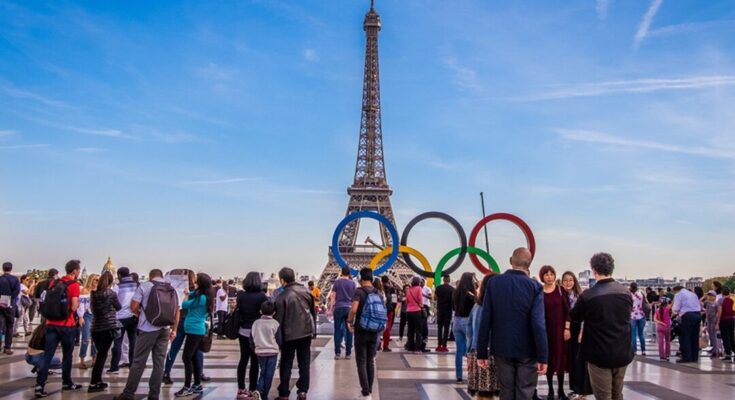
(204, 287)
(105, 282)
(378, 284)
(483, 286)
(576, 289)
(466, 287)
(90, 281)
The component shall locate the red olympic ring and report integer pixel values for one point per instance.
(530, 240)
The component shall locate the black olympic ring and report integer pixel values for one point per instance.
(451, 221)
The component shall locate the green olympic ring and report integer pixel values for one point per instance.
(472, 250)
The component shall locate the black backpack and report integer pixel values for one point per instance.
(54, 301)
(162, 305)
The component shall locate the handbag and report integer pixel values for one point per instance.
(206, 344)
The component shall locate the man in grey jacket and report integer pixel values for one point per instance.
(295, 313)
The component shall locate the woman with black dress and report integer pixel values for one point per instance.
(579, 380)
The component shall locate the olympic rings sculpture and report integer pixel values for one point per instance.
(406, 251)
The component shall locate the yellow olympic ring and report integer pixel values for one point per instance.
(404, 249)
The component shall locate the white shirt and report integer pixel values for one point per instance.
(427, 296)
(221, 305)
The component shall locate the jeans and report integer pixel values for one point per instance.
(7, 323)
(388, 327)
(663, 334)
(689, 340)
(267, 370)
(727, 328)
(425, 326)
(86, 337)
(415, 338)
(247, 354)
(221, 322)
(517, 378)
(176, 347)
(365, 346)
(36, 361)
(191, 364)
(55, 335)
(463, 337)
(402, 326)
(341, 331)
(607, 384)
(443, 320)
(712, 330)
(637, 327)
(301, 348)
(103, 341)
(129, 328)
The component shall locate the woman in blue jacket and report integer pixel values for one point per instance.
(199, 305)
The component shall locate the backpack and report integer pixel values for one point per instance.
(162, 304)
(54, 301)
(231, 325)
(374, 317)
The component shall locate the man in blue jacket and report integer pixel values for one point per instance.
(512, 326)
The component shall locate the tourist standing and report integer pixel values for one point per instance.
(266, 340)
(84, 312)
(662, 319)
(294, 312)
(178, 341)
(59, 305)
(343, 291)
(199, 305)
(24, 304)
(689, 309)
(482, 382)
(605, 312)
(414, 309)
(9, 292)
(638, 318)
(710, 315)
(365, 320)
(558, 330)
(579, 380)
(444, 306)
(391, 302)
(461, 301)
(426, 305)
(156, 305)
(317, 293)
(404, 318)
(125, 290)
(105, 326)
(42, 286)
(221, 307)
(726, 318)
(248, 308)
(513, 329)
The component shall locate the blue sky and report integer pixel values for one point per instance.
(222, 135)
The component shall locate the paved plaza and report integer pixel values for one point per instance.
(400, 376)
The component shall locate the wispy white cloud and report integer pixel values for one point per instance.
(221, 181)
(6, 133)
(310, 55)
(465, 78)
(645, 24)
(27, 94)
(24, 146)
(90, 149)
(580, 135)
(113, 133)
(602, 7)
(645, 85)
(216, 72)
(689, 27)
(177, 137)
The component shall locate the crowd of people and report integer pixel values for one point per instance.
(508, 328)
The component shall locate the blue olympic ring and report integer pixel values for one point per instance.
(372, 215)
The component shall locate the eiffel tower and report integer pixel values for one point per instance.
(370, 190)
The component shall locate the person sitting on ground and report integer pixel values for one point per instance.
(35, 351)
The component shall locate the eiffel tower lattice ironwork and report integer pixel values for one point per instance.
(370, 190)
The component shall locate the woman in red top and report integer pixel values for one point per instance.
(414, 302)
(556, 308)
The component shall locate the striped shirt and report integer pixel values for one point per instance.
(125, 291)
